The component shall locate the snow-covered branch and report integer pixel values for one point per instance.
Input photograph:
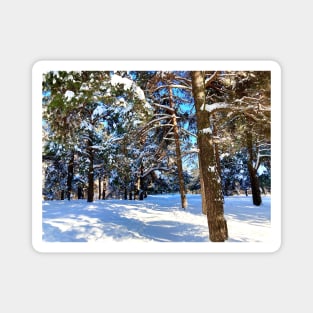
(157, 168)
(215, 107)
(192, 151)
(209, 80)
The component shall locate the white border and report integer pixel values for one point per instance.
(43, 66)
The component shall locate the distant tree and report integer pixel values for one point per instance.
(247, 121)
(169, 90)
(54, 160)
(83, 108)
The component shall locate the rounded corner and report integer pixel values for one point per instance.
(277, 246)
(276, 65)
(36, 247)
(38, 66)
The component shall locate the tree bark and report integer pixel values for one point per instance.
(99, 187)
(214, 200)
(90, 192)
(178, 153)
(254, 180)
(104, 186)
(70, 176)
(202, 189)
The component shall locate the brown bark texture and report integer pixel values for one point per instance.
(178, 154)
(213, 196)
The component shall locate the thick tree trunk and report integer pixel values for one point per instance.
(202, 189)
(217, 154)
(178, 154)
(70, 176)
(211, 181)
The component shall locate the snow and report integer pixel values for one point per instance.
(116, 79)
(84, 87)
(211, 169)
(139, 92)
(86, 125)
(98, 111)
(158, 218)
(128, 84)
(262, 170)
(214, 106)
(69, 95)
(206, 131)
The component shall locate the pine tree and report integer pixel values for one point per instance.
(212, 191)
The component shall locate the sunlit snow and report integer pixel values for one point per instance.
(69, 95)
(157, 218)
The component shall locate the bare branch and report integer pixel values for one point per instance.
(172, 86)
(210, 79)
(163, 107)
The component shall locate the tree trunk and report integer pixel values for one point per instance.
(202, 190)
(255, 186)
(99, 187)
(141, 188)
(70, 176)
(80, 194)
(178, 154)
(104, 186)
(217, 153)
(90, 193)
(211, 181)
(254, 180)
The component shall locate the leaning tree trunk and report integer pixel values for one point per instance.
(211, 181)
(254, 179)
(178, 154)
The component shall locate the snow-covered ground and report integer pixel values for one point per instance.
(158, 218)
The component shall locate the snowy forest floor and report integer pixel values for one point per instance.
(158, 218)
